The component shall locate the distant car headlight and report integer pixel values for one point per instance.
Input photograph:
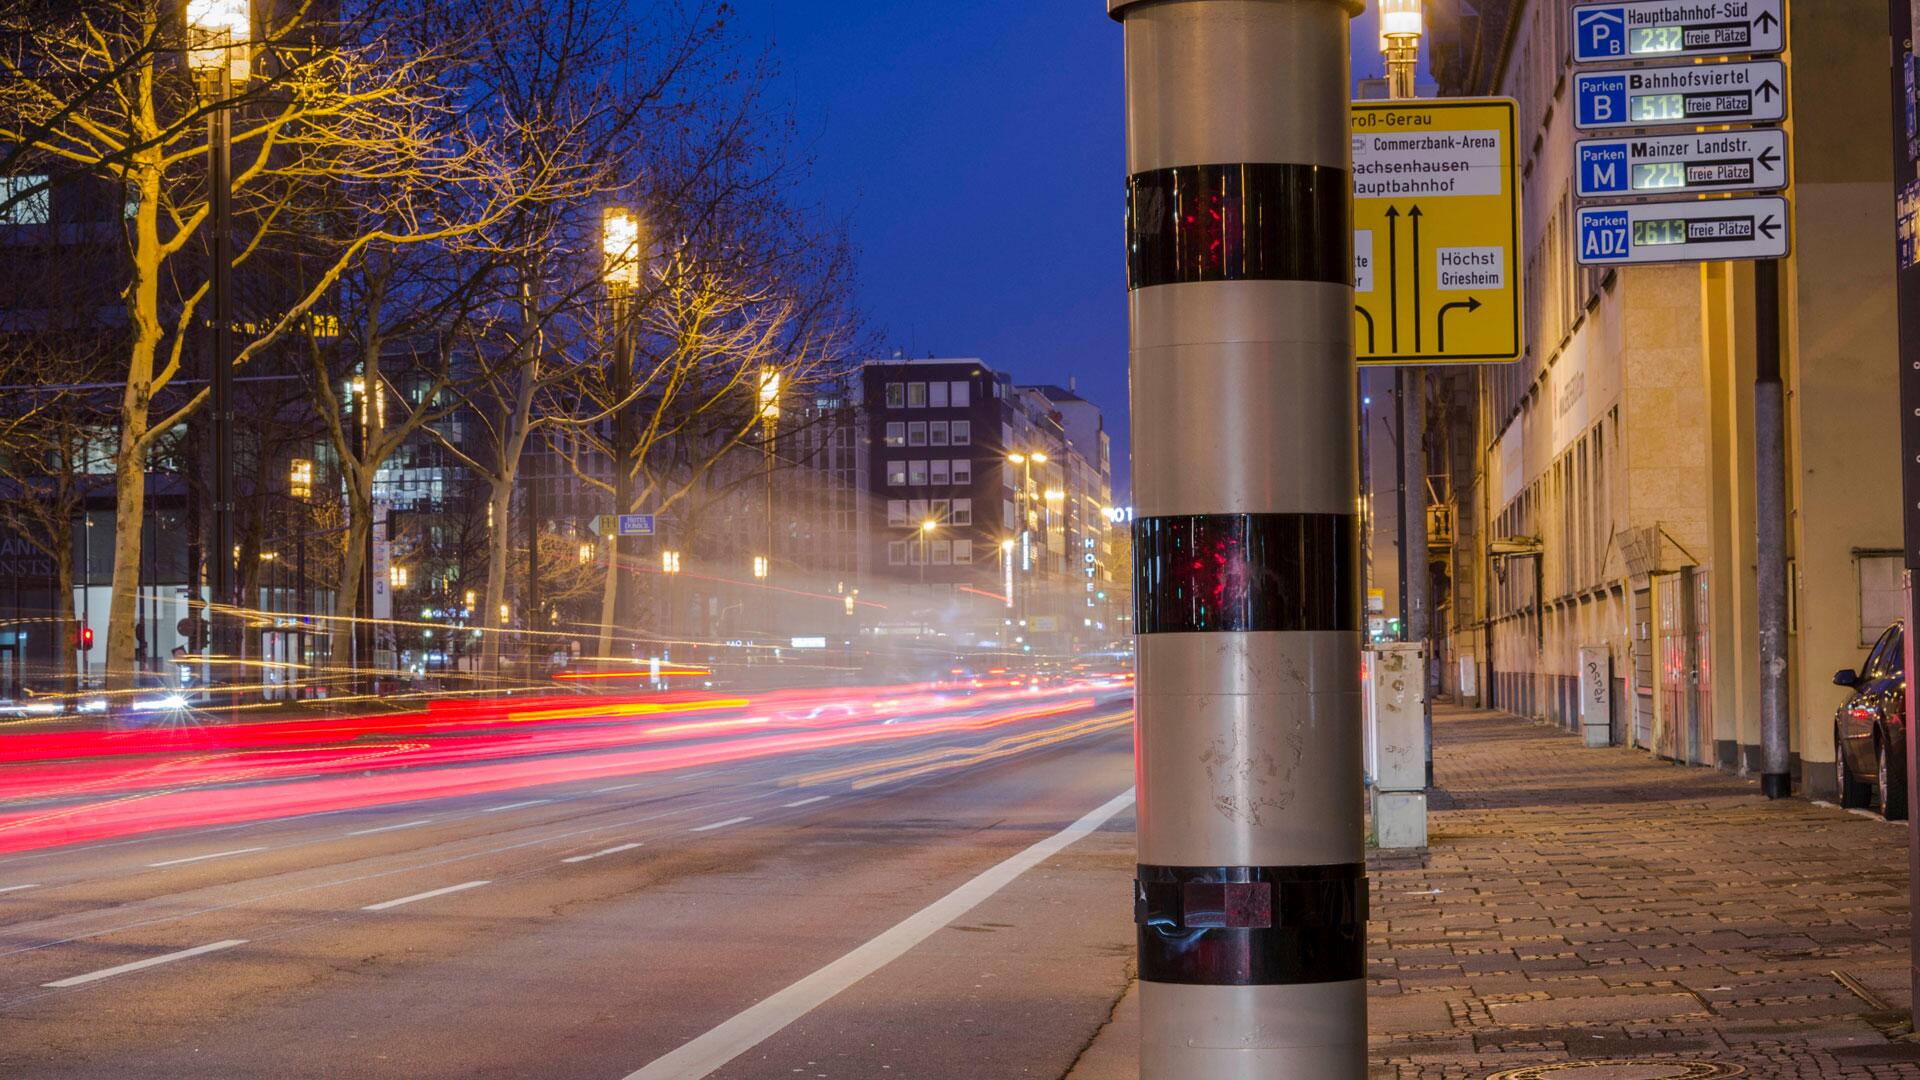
(168, 703)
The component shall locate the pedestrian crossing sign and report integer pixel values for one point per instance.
(1436, 231)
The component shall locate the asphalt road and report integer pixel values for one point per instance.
(829, 912)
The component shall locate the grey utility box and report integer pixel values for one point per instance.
(1397, 729)
(1596, 695)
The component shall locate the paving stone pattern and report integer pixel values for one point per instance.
(1579, 904)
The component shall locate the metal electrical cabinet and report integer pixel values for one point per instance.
(1397, 730)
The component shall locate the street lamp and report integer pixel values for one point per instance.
(769, 431)
(300, 487)
(621, 245)
(219, 33)
(926, 546)
(1024, 494)
(760, 567)
(1401, 26)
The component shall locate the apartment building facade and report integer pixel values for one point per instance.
(1606, 487)
(984, 507)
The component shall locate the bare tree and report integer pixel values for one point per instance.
(364, 112)
(710, 355)
(49, 467)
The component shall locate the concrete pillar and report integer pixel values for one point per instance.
(1251, 895)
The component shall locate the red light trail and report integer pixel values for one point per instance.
(92, 785)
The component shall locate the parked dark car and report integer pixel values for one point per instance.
(1870, 729)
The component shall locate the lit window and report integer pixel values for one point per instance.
(896, 474)
(937, 433)
(916, 395)
(937, 395)
(917, 433)
(962, 431)
(896, 434)
(896, 395)
(961, 395)
(32, 207)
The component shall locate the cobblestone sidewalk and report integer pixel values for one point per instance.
(1581, 905)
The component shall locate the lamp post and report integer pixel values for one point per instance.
(620, 246)
(300, 487)
(670, 566)
(926, 556)
(217, 51)
(1026, 461)
(769, 433)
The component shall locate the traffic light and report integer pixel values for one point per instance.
(86, 639)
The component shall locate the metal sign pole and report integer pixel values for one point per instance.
(1251, 894)
(1770, 499)
(1906, 181)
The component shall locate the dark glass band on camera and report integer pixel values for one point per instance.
(1230, 573)
(1245, 222)
(1251, 925)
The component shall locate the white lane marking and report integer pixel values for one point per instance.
(17, 888)
(719, 824)
(428, 895)
(615, 850)
(515, 805)
(391, 828)
(203, 858)
(616, 787)
(151, 961)
(701, 1057)
(806, 802)
(178, 915)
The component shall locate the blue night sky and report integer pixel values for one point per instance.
(976, 151)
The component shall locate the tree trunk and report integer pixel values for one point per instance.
(252, 540)
(130, 504)
(353, 567)
(67, 622)
(130, 464)
(499, 542)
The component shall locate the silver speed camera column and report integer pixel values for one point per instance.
(1251, 891)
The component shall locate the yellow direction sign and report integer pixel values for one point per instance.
(1436, 231)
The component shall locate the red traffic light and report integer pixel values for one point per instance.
(86, 637)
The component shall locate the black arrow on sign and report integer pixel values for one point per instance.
(1766, 21)
(1393, 275)
(1415, 215)
(1768, 90)
(1769, 227)
(1472, 304)
(1367, 315)
(1769, 158)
